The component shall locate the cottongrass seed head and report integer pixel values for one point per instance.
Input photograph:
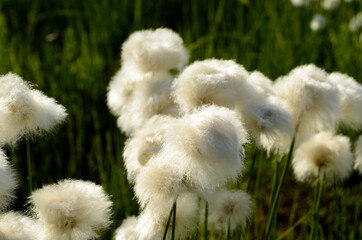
(207, 147)
(15, 226)
(351, 99)
(72, 209)
(144, 144)
(358, 155)
(152, 220)
(24, 110)
(211, 81)
(8, 181)
(226, 205)
(127, 230)
(313, 101)
(155, 50)
(326, 153)
(318, 22)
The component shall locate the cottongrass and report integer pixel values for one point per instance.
(127, 230)
(358, 155)
(15, 226)
(330, 4)
(211, 82)
(8, 182)
(326, 153)
(25, 111)
(351, 99)
(229, 209)
(318, 22)
(71, 209)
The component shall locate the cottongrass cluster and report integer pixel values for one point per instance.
(70, 209)
(182, 155)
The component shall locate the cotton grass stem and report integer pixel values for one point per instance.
(228, 231)
(174, 222)
(317, 201)
(277, 193)
(206, 218)
(28, 160)
(251, 170)
(167, 224)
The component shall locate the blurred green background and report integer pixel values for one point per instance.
(71, 48)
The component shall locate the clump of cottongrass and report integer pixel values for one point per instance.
(269, 123)
(144, 144)
(229, 209)
(318, 22)
(15, 226)
(358, 155)
(324, 154)
(211, 82)
(200, 156)
(155, 50)
(8, 181)
(313, 101)
(351, 98)
(72, 209)
(152, 222)
(25, 111)
(142, 87)
(209, 152)
(127, 230)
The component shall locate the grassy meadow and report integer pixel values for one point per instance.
(70, 49)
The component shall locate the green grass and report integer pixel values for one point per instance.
(70, 49)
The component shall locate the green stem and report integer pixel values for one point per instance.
(317, 201)
(277, 193)
(228, 232)
(251, 170)
(28, 160)
(206, 217)
(174, 222)
(167, 224)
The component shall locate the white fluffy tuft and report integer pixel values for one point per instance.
(358, 155)
(351, 97)
(14, 226)
(24, 110)
(212, 81)
(127, 230)
(72, 209)
(8, 182)
(313, 101)
(331, 154)
(230, 205)
(155, 50)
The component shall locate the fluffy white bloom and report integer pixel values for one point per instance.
(330, 4)
(14, 226)
(144, 145)
(230, 205)
(72, 209)
(351, 97)
(24, 110)
(152, 221)
(312, 100)
(127, 230)
(358, 155)
(206, 147)
(300, 3)
(355, 23)
(7, 181)
(134, 98)
(269, 123)
(326, 152)
(155, 50)
(318, 22)
(262, 84)
(212, 81)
